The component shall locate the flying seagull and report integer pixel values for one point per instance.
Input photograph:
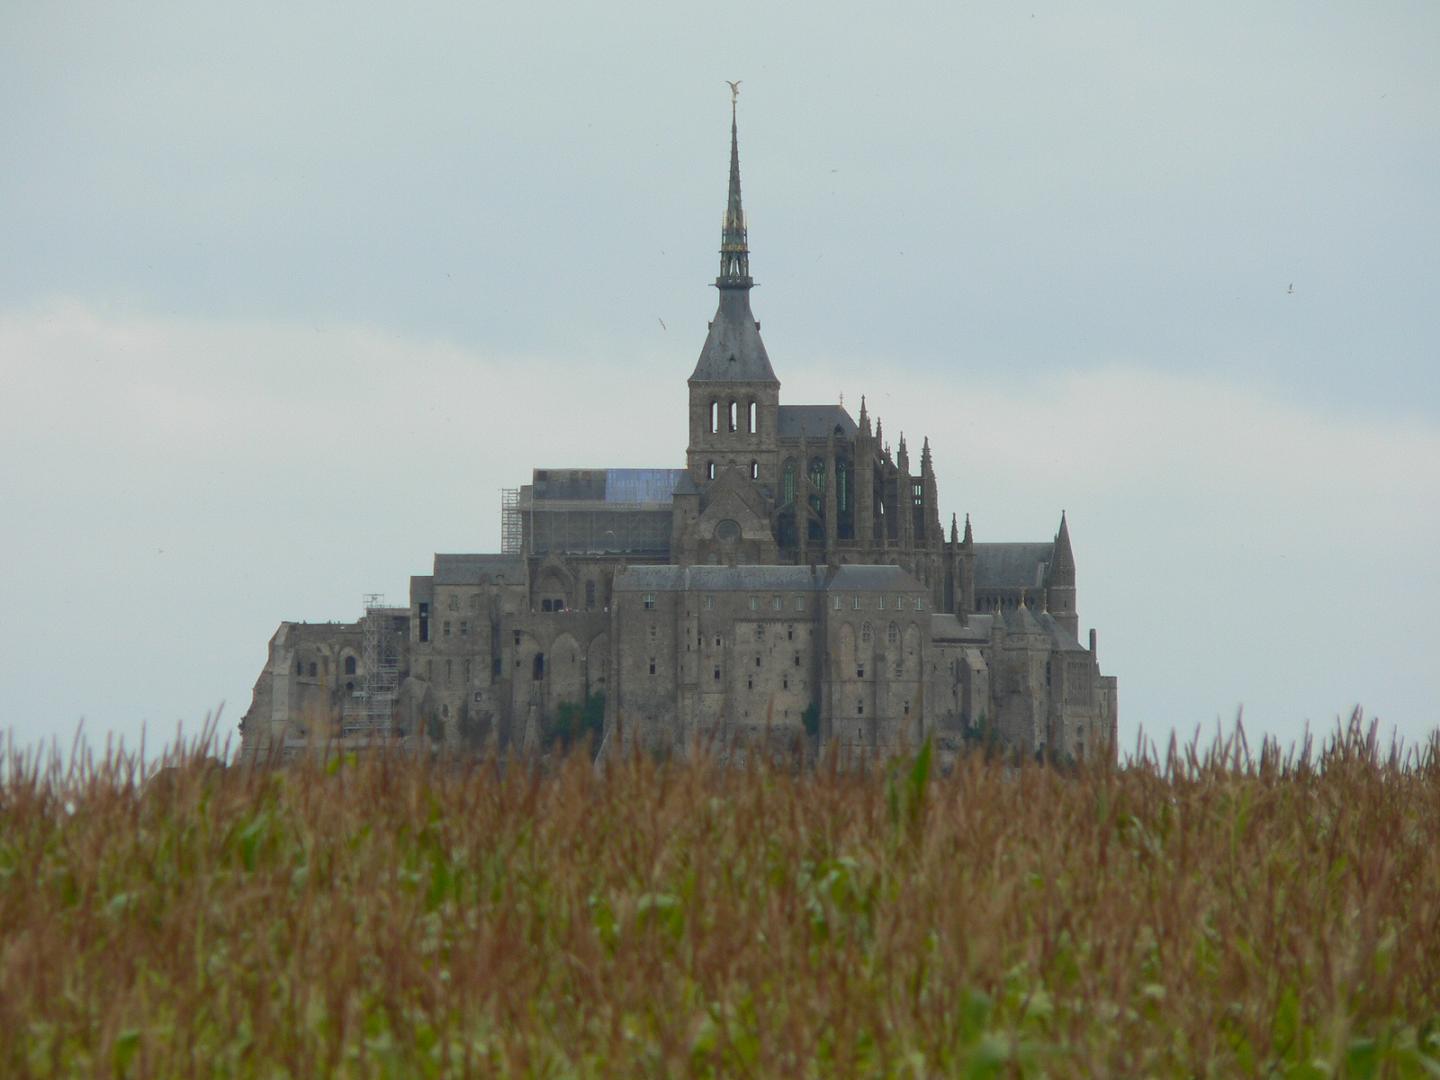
(734, 88)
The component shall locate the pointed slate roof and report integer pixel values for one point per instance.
(733, 351)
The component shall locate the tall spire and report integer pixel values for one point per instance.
(733, 351)
(734, 245)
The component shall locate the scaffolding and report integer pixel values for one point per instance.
(372, 712)
(512, 535)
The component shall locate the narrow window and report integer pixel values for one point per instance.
(865, 633)
(717, 674)
(709, 601)
(857, 601)
(860, 671)
(424, 614)
(757, 661)
(652, 665)
(892, 634)
(714, 417)
(349, 665)
(312, 669)
(710, 471)
(787, 485)
(734, 417)
(859, 711)
(754, 603)
(785, 683)
(517, 639)
(754, 427)
(799, 603)
(797, 659)
(454, 602)
(589, 594)
(754, 470)
(749, 683)
(777, 602)
(837, 603)
(299, 667)
(445, 629)
(919, 603)
(449, 671)
(537, 670)
(464, 627)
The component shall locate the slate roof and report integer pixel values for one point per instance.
(815, 422)
(763, 578)
(719, 578)
(1011, 566)
(859, 578)
(475, 569)
(733, 351)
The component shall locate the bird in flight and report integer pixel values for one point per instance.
(1291, 289)
(734, 88)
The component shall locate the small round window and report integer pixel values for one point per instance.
(728, 531)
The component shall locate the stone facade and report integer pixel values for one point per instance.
(791, 586)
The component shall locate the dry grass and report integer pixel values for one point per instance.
(1212, 916)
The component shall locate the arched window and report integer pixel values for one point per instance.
(787, 486)
(817, 474)
(537, 671)
(754, 419)
(754, 470)
(710, 471)
(865, 633)
(842, 485)
(892, 634)
(349, 665)
(714, 417)
(734, 417)
(312, 669)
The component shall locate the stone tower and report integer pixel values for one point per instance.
(734, 394)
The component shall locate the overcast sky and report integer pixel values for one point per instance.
(286, 297)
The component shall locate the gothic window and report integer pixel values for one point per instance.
(349, 665)
(734, 417)
(787, 485)
(537, 669)
(865, 633)
(918, 493)
(754, 427)
(714, 417)
(842, 484)
(892, 634)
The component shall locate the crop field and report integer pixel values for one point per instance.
(1203, 912)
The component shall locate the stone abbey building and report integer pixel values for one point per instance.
(793, 581)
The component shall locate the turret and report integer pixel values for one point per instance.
(1060, 590)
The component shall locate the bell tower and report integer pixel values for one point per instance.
(734, 394)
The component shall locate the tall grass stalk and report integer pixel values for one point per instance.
(1210, 912)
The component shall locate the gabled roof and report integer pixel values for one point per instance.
(1011, 566)
(478, 569)
(815, 422)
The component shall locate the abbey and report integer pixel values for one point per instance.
(792, 585)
